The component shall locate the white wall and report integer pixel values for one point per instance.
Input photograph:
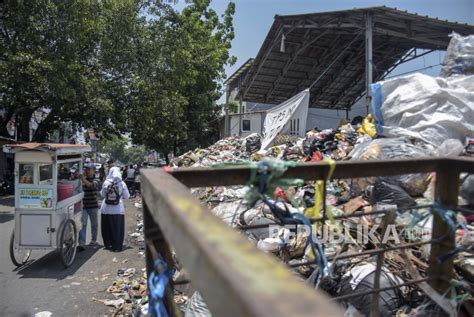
(255, 123)
(329, 119)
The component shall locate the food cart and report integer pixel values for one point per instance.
(48, 199)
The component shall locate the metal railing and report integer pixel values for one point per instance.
(236, 279)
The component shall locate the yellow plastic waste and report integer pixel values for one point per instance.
(368, 126)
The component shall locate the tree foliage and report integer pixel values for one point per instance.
(172, 112)
(136, 66)
(116, 147)
(52, 57)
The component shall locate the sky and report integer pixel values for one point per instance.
(253, 19)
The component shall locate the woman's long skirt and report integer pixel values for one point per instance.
(113, 228)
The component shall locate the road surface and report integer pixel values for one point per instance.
(45, 285)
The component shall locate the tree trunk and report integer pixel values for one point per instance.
(23, 125)
(175, 146)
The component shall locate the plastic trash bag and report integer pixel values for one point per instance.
(459, 58)
(253, 143)
(361, 279)
(397, 148)
(426, 108)
(368, 126)
(197, 307)
(383, 192)
(450, 147)
(467, 189)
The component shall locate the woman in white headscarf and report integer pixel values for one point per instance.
(114, 190)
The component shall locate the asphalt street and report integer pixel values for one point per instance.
(43, 284)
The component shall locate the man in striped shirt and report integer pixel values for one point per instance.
(90, 186)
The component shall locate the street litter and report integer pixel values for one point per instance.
(117, 303)
(44, 314)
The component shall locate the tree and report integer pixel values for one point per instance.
(55, 55)
(171, 112)
(136, 66)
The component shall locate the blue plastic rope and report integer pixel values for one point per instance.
(157, 283)
(321, 259)
(264, 168)
(446, 214)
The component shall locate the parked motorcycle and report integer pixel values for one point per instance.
(6, 187)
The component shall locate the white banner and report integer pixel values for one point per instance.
(289, 116)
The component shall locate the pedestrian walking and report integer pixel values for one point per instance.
(130, 180)
(90, 186)
(102, 173)
(114, 190)
(124, 173)
(110, 164)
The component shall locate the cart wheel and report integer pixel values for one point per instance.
(68, 243)
(18, 256)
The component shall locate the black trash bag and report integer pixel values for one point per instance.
(383, 192)
(253, 143)
(389, 301)
(311, 145)
(308, 197)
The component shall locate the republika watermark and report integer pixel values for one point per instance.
(360, 234)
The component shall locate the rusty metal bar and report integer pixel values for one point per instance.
(381, 289)
(446, 194)
(239, 175)
(370, 252)
(234, 278)
(388, 219)
(156, 244)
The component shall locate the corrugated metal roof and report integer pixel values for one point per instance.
(239, 74)
(314, 41)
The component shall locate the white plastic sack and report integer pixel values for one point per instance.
(459, 58)
(430, 109)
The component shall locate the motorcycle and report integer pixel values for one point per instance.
(6, 187)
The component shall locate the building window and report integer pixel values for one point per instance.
(294, 126)
(245, 125)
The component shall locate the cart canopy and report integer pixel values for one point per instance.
(58, 148)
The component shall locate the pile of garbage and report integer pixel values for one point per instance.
(333, 144)
(414, 116)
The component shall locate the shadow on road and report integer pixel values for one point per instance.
(7, 201)
(49, 266)
(6, 216)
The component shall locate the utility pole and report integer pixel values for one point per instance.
(226, 118)
(240, 107)
(368, 57)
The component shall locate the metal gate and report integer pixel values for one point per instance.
(235, 278)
